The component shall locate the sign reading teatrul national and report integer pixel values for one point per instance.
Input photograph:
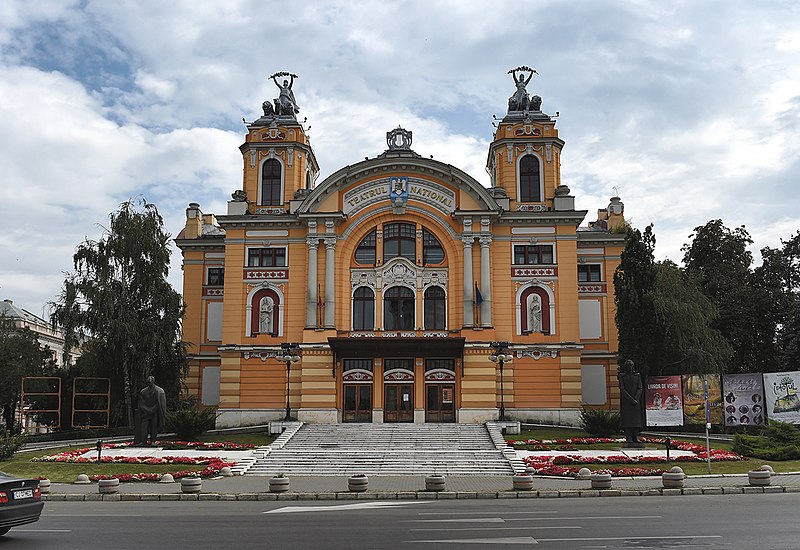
(743, 399)
(663, 401)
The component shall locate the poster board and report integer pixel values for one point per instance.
(694, 409)
(743, 399)
(663, 401)
(780, 392)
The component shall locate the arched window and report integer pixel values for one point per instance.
(271, 183)
(264, 313)
(363, 309)
(529, 184)
(399, 239)
(365, 253)
(398, 309)
(432, 251)
(535, 311)
(434, 306)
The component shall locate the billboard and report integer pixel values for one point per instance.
(694, 409)
(663, 401)
(743, 399)
(780, 391)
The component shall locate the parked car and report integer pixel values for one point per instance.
(20, 501)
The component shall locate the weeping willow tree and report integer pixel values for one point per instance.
(117, 301)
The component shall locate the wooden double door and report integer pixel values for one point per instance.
(440, 403)
(357, 403)
(398, 403)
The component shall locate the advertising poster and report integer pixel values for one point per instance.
(743, 399)
(694, 407)
(780, 389)
(663, 403)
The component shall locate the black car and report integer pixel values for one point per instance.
(20, 502)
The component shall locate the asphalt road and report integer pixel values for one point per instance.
(709, 522)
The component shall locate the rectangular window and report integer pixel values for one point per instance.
(533, 254)
(216, 276)
(589, 273)
(266, 257)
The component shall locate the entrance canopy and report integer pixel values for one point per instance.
(397, 347)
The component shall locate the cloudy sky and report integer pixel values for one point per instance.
(689, 110)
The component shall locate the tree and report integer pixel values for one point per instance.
(719, 261)
(118, 300)
(20, 356)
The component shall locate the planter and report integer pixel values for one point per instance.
(191, 484)
(434, 482)
(601, 481)
(523, 482)
(759, 478)
(357, 484)
(108, 486)
(278, 484)
(44, 486)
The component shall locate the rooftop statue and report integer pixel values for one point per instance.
(521, 101)
(285, 104)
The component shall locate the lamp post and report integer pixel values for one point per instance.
(288, 355)
(500, 355)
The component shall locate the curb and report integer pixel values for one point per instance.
(415, 495)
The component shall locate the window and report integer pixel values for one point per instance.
(529, 188)
(398, 309)
(363, 309)
(399, 239)
(533, 254)
(216, 276)
(432, 251)
(266, 257)
(434, 305)
(271, 183)
(440, 364)
(365, 253)
(589, 273)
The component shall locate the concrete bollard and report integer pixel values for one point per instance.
(601, 481)
(434, 482)
(166, 478)
(191, 485)
(759, 478)
(584, 473)
(107, 486)
(357, 483)
(523, 482)
(82, 479)
(278, 484)
(44, 486)
(226, 471)
(673, 479)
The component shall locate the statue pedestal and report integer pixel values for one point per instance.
(638, 445)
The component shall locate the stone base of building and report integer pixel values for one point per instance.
(318, 416)
(234, 418)
(477, 416)
(556, 417)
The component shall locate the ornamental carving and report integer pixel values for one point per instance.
(436, 278)
(398, 376)
(534, 272)
(537, 354)
(357, 376)
(263, 355)
(271, 211)
(440, 376)
(362, 278)
(534, 282)
(531, 208)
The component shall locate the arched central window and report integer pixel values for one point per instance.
(398, 309)
(271, 183)
(363, 309)
(529, 184)
(434, 306)
(399, 239)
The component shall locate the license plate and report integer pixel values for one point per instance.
(27, 493)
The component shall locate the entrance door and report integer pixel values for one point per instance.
(398, 404)
(357, 403)
(439, 403)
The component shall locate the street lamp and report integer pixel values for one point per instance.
(288, 355)
(500, 355)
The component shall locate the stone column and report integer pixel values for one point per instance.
(330, 289)
(469, 315)
(486, 282)
(311, 295)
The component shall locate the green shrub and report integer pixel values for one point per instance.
(190, 420)
(780, 441)
(600, 422)
(9, 443)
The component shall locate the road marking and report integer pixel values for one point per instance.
(507, 540)
(582, 517)
(41, 530)
(496, 528)
(590, 539)
(341, 507)
(480, 513)
(458, 520)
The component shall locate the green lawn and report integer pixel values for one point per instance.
(20, 464)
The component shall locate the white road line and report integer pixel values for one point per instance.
(497, 528)
(15, 530)
(508, 540)
(344, 507)
(582, 518)
(592, 539)
(481, 513)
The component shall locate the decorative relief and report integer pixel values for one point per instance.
(548, 148)
(534, 271)
(362, 278)
(357, 376)
(531, 208)
(536, 354)
(399, 273)
(438, 278)
(262, 274)
(362, 335)
(271, 211)
(535, 282)
(263, 355)
(440, 376)
(434, 334)
(212, 291)
(596, 288)
(398, 376)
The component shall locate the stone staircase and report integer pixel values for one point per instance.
(386, 449)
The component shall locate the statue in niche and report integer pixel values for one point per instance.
(630, 404)
(265, 311)
(535, 313)
(521, 101)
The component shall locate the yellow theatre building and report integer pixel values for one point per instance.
(387, 291)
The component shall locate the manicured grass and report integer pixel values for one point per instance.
(20, 464)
